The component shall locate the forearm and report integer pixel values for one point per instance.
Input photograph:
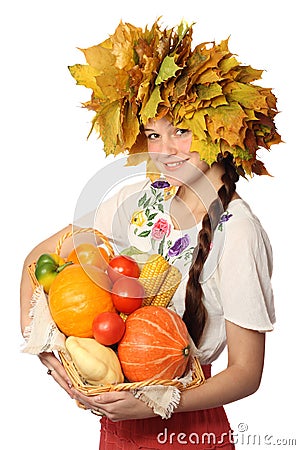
(241, 377)
(234, 383)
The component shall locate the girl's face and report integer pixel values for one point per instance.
(169, 147)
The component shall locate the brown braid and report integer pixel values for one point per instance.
(195, 312)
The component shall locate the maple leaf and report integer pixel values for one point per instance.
(246, 74)
(197, 124)
(130, 126)
(99, 56)
(207, 150)
(150, 109)
(167, 70)
(123, 45)
(107, 123)
(207, 92)
(247, 95)
(227, 64)
(86, 76)
(226, 122)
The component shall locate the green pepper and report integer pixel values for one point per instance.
(48, 267)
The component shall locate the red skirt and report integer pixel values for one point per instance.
(206, 429)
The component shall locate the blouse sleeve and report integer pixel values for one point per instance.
(244, 272)
(112, 216)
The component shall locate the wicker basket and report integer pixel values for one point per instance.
(82, 385)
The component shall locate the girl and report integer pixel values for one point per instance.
(227, 297)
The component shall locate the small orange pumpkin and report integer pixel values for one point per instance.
(87, 253)
(155, 345)
(77, 295)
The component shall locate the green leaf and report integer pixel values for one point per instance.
(161, 245)
(147, 203)
(142, 200)
(167, 70)
(144, 233)
(151, 216)
(182, 29)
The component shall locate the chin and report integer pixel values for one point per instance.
(173, 181)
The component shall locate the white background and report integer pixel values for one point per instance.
(46, 161)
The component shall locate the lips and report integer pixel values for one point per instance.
(174, 165)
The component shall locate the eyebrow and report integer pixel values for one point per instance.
(151, 129)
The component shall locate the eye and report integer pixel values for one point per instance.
(152, 136)
(181, 131)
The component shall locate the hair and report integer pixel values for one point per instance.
(195, 312)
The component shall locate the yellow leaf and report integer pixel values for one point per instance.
(150, 109)
(207, 150)
(130, 126)
(108, 124)
(227, 122)
(206, 92)
(99, 57)
(86, 76)
(196, 124)
(123, 41)
(228, 64)
(247, 74)
(247, 95)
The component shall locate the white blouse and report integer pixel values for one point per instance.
(236, 278)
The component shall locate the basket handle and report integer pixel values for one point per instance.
(85, 230)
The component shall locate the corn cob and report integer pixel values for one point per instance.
(123, 316)
(168, 288)
(153, 275)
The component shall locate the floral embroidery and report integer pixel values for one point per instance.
(160, 184)
(224, 218)
(151, 221)
(138, 218)
(160, 229)
(169, 192)
(179, 246)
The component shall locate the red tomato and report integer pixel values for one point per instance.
(127, 295)
(122, 265)
(108, 328)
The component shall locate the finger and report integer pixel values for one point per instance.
(110, 397)
(54, 364)
(61, 380)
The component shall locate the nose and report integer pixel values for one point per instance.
(168, 146)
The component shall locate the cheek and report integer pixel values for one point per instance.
(196, 161)
(153, 147)
(186, 145)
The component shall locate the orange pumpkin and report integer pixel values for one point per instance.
(77, 295)
(87, 253)
(155, 345)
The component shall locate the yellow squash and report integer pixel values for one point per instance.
(96, 363)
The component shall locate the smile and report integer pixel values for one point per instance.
(174, 165)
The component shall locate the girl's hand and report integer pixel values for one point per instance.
(57, 371)
(116, 405)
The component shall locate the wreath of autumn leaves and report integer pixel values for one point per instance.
(136, 75)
